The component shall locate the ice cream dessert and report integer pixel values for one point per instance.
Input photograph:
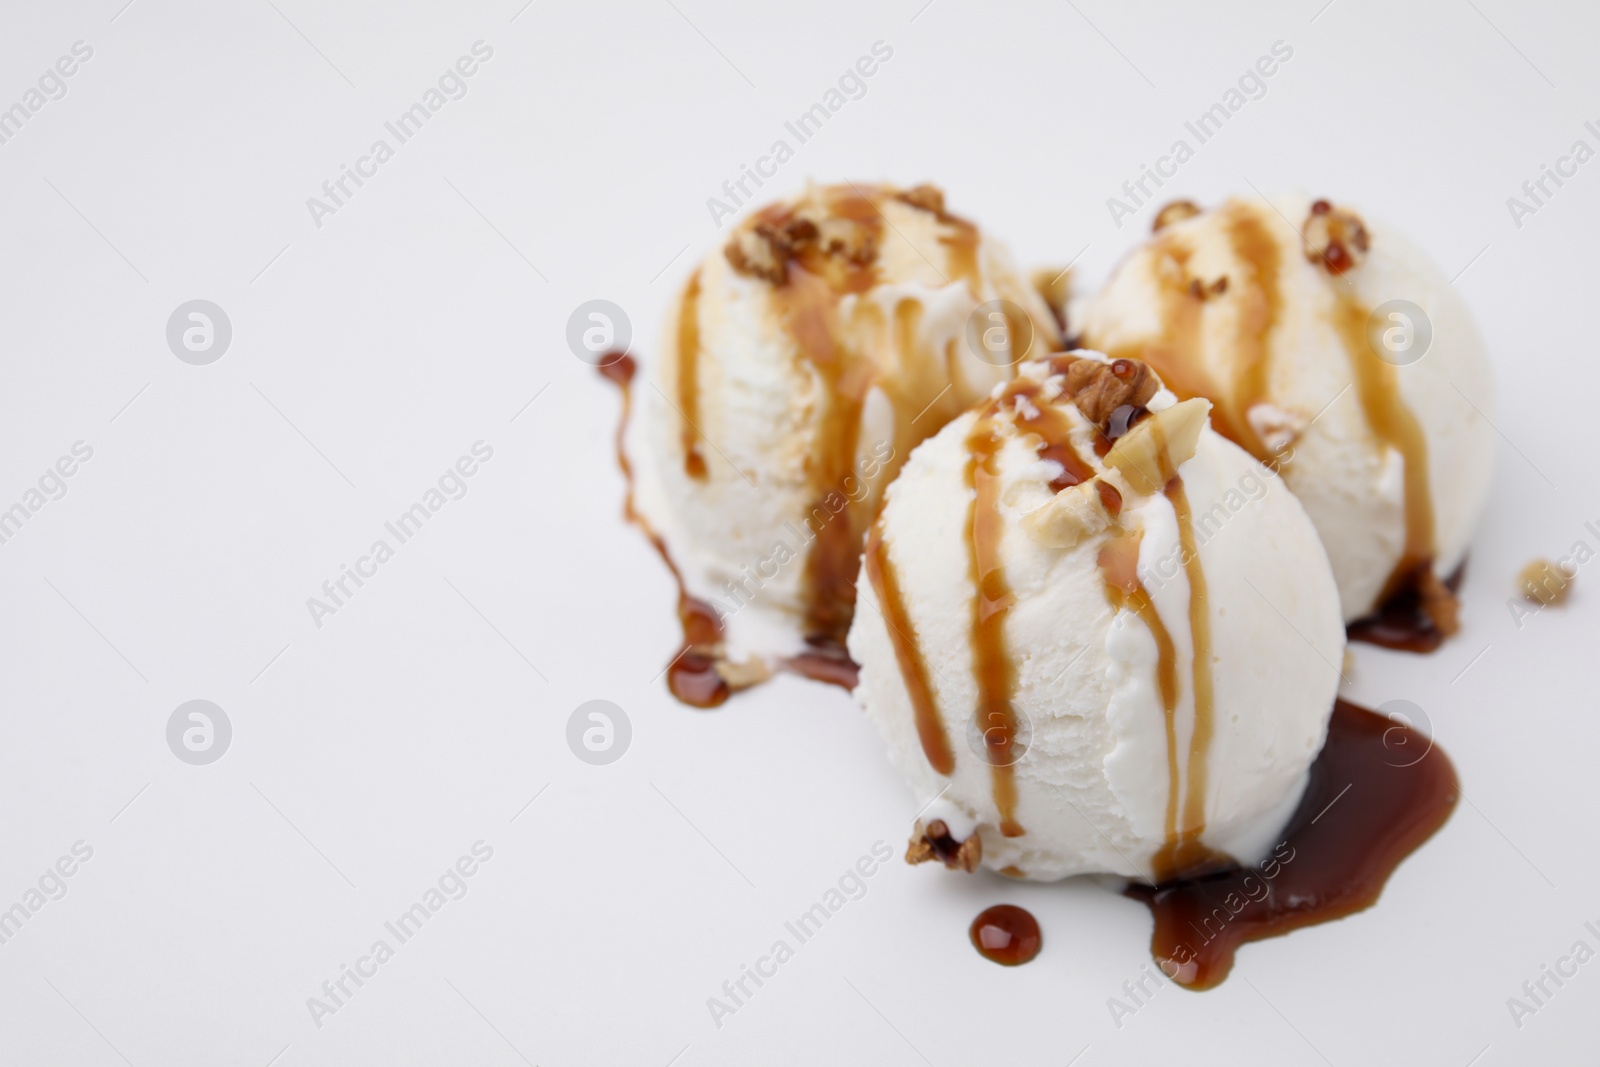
(804, 360)
(1339, 355)
(1105, 638)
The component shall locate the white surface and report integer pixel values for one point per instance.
(405, 729)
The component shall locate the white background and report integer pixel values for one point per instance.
(370, 353)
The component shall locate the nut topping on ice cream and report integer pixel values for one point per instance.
(1335, 238)
(935, 842)
(1099, 389)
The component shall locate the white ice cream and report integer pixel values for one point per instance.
(1283, 350)
(1092, 788)
(829, 336)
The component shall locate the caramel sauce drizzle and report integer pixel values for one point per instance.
(1183, 850)
(913, 668)
(1261, 303)
(1187, 852)
(1119, 568)
(692, 676)
(1395, 425)
(694, 464)
(994, 668)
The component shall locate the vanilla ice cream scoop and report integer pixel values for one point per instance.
(1340, 356)
(1098, 636)
(805, 359)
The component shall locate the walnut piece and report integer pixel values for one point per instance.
(1071, 517)
(1335, 238)
(933, 842)
(1546, 583)
(765, 249)
(1099, 389)
(1174, 212)
(762, 251)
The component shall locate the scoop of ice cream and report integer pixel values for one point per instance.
(1103, 637)
(805, 359)
(1336, 353)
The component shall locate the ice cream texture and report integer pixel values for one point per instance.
(1098, 636)
(1336, 353)
(804, 360)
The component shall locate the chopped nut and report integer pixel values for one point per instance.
(847, 238)
(1099, 389)
(1174, 212)
(933, 842)
(762, 251)
(1151, 453)
(1439, 604)
(765, 248)
(927, 197)
(1071, 517)
(1336, 238)
(1546, 583)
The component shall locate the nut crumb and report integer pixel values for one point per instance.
(1099, 389)
(1546, 583)
(765, 249)
(1335, 238)
(1173, 213)
(933, 842)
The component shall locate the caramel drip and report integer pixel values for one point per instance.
(692, 676)
(835, 522)
(908, 653)
(1396, 426)
(1176, 353)
(1119, 568)
(694, 464)
(961, 240)
(1186, 852)
(1183, 850)
(1260, 305)
(994, 668)
(1054, 430)
(810, 297)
